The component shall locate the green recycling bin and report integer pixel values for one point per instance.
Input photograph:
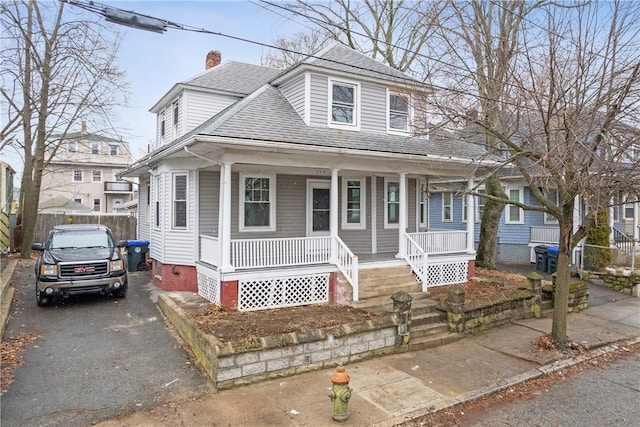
(136, 250)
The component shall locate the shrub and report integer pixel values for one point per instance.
(597, 253)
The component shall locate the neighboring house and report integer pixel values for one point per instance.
(6, 199)
(521, 231)
(271, 188)
(83, 169)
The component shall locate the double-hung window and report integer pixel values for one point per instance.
(628, 207)
(422, 203)
(176, 118)
(72, 146)
(353, 206)
(392, 204)
(163, 126)
(343, 103)
(514, 214)
(480, 202)
(96, 175)
(398, 112)
(554, 197)
(97, 205)
(447, 207)
(95, 147)
(257, 202)
(179, 200)
(156, 199)
(113, 150)
(77, 175)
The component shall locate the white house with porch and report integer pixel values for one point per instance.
(270, 188)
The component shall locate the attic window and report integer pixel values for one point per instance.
(398, 112)
(343, 103)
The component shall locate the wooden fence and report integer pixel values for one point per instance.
(123, 226)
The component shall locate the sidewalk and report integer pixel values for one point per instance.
(396, 388)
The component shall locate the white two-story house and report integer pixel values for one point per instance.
(270, 188)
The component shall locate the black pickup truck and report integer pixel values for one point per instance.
(80, 259)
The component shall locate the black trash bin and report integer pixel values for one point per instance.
(136, 250)
(542, 258)
(552, 255)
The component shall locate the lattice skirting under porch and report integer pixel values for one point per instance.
(265, 293)
(447, 273)
(209, 284)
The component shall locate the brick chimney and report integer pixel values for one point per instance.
(213, 58)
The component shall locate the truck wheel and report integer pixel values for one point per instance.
(41, 299)
(122, 292)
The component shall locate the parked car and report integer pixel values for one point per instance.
(80, 259)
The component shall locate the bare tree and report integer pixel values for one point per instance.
(57, 68)
(569, 123)
(295, 48)
(393, 31)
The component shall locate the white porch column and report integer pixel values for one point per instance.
(402, 221)
(610, 213)
(471, 220)
(333, 213)
(224, 217)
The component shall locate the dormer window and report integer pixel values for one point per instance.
(176, 116)
(72, 146)
(95, 147)
(162, 125)
(343, 103)
(398, 112)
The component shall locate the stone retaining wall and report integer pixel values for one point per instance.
(258, 359)
(621, 280)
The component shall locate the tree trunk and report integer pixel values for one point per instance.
(561, 295)
(488, 239)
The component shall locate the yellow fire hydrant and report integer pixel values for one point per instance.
(340, 393)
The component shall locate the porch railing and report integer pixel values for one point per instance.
(209, 250)
(417, 258)
(622, 241)
(540, 234)
(347, 263)
(441, 241)
(281, 252)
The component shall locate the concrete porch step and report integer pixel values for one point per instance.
(427, 329)
(384, 303)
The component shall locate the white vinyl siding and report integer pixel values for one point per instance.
(294, 91)
(209, 196)
(200, 106)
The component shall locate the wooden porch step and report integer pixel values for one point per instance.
(431, 341)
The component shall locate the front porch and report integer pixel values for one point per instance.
(284, 272)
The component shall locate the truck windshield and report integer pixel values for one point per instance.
(81, 239)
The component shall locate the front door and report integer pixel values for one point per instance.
(318, 203)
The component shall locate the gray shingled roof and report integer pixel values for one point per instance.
(267, 116)
(235, 77)
(341, 58)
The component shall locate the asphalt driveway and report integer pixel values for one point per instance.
(97, 357)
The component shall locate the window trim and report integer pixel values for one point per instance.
(356, 107)
(163, 125)
(112, 148)
(476, 204)
(95, 145)
(156, 223)
(507, 215)
(175, 117)
(94, 205)
(73, 175)
(628, 203)
(72, 146)
(93, 175)
(362, 225)
(78, 200)
(450, 205)
(407, 96)
(464, 208)
(547, 217)
(272, 202)
(175, 175)
(422, 203)
(388, 224)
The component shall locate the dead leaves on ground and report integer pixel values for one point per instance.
(11, 352)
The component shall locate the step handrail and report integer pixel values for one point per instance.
(418, 259)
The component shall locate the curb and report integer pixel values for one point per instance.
(6, 295)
